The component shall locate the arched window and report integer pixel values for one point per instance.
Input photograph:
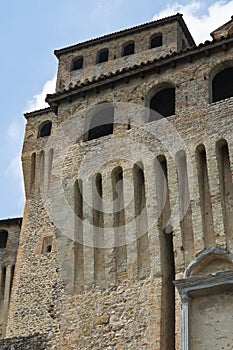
(102, 56)
(102, 122)
(3, 238)
(162, 104)
(128, 49)
(156, 41)
(222, 86)
(45, 129)
(77, 63)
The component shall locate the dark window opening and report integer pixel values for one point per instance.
(47, 245)
(162, 104)
(3, 238)
(12, 276)
(156, 41)
(3, 283)
(128, 49)
(222, 86)
(49, 248)
(45, 129)
(77, 64)
(102, 123)
(103, 56)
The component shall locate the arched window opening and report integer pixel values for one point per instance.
(162, 104)
(128, 49)
(45, 129)
(156, 41)
(77, 64)
(102, 56)
(3, 238)
(101, 123)
(222, 86)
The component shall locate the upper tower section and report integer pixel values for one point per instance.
(126, 48)
(224, 30)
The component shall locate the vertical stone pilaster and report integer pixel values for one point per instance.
(109, 237)
(6, 299)
(88, 242)
(130, 224)
(218, 219)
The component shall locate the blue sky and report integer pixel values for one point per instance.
(31, 30)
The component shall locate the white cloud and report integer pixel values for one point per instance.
(14, 170)
(15, 131)
(38, 100)
(200, 25)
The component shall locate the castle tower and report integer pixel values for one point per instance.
(126, 241)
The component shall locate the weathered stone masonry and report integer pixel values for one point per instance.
(128, 181)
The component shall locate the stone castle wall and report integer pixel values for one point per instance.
(72, 283)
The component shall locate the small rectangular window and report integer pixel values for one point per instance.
(47, 245)
(156, 41)
(102, 56)
(129, 49)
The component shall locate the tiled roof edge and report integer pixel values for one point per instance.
(38, 112)
(11, 220)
